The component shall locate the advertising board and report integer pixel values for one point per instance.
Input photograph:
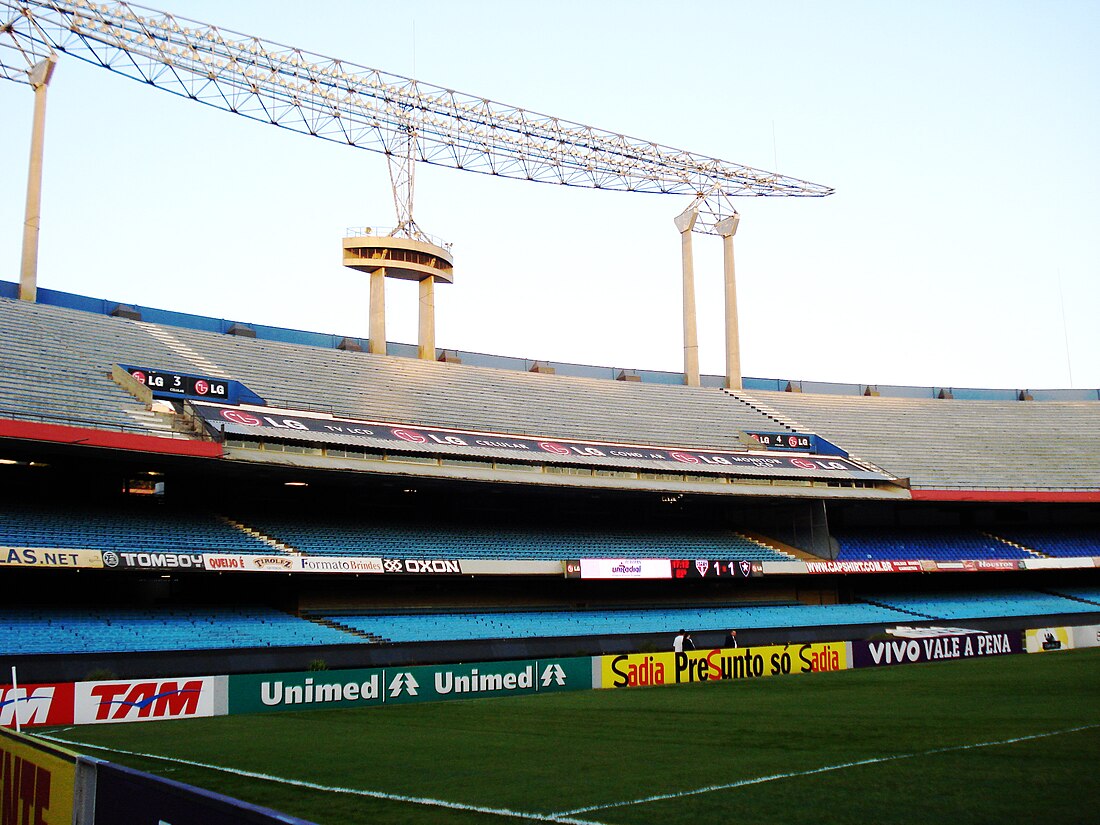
(1048, 639)
(132, 700)
(647, 669)
(49, 557)
(1086, 636)
(37, 782)
(34, 705)
(286, 563)
(377, 686)
(298, 424)
(715, 569)
(126, 560)
(935, 648)
(124, 796)
(180, 385)
(618, 569)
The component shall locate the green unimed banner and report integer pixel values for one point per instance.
(403, 685)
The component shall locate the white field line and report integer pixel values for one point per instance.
(873, 761)
(557, 819)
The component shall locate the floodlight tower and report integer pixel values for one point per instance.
(39, 78)
(408, 121)
(405, 252)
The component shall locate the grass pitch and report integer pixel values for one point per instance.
(977, 741)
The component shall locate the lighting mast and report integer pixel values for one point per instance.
(408, 121)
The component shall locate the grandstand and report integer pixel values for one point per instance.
(365, 508)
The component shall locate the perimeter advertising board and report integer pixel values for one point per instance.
(647, 669)
(935, 648)
(286, 563)
(298, 424)
(49, 557)
(1048, 639)
(152, 560)
(37, 782)
(124, 796)
(134, 700)
(1086, 636)
(34, 705)
(381, 686)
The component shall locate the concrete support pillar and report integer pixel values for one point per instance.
(727, 229)
(684, 224)
(426, 339)
(28, 271)
(377, 329)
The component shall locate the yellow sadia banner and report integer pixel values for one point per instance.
(643, 669)
(1045, 639)
(36, 782)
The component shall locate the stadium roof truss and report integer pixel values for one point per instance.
(368, 108)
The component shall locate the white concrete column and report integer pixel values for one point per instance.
(727, 229)
(377, 329)
(684, 223)
(28, 272)
(427, 320)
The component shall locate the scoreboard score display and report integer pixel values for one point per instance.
(801, 442)
(179, 385)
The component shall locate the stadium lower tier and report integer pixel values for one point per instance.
(993, 604)
(941, 545)
(120, 630)
(152, 525)
(37, 631)
(960, 544)
(433, 540)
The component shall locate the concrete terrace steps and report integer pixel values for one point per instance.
(1036, 553)
(372, 638)
(275, 544)
(793, 553)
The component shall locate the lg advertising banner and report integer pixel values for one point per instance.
(35, 705)
(37, 782)
(292, 424)
(935, 648)
(378, 686)
(133, 700)
(647, 669)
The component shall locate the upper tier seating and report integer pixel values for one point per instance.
(345, 537)
(76, 351)
(1063, 542)
(123, 527)
(980, 605)
(944, 545)
(110, 630)
(55, 366)
(944, 444)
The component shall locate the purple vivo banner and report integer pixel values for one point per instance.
(935, 648)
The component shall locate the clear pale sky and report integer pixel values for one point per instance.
(961, 248)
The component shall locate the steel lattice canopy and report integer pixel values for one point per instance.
(369, 108)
